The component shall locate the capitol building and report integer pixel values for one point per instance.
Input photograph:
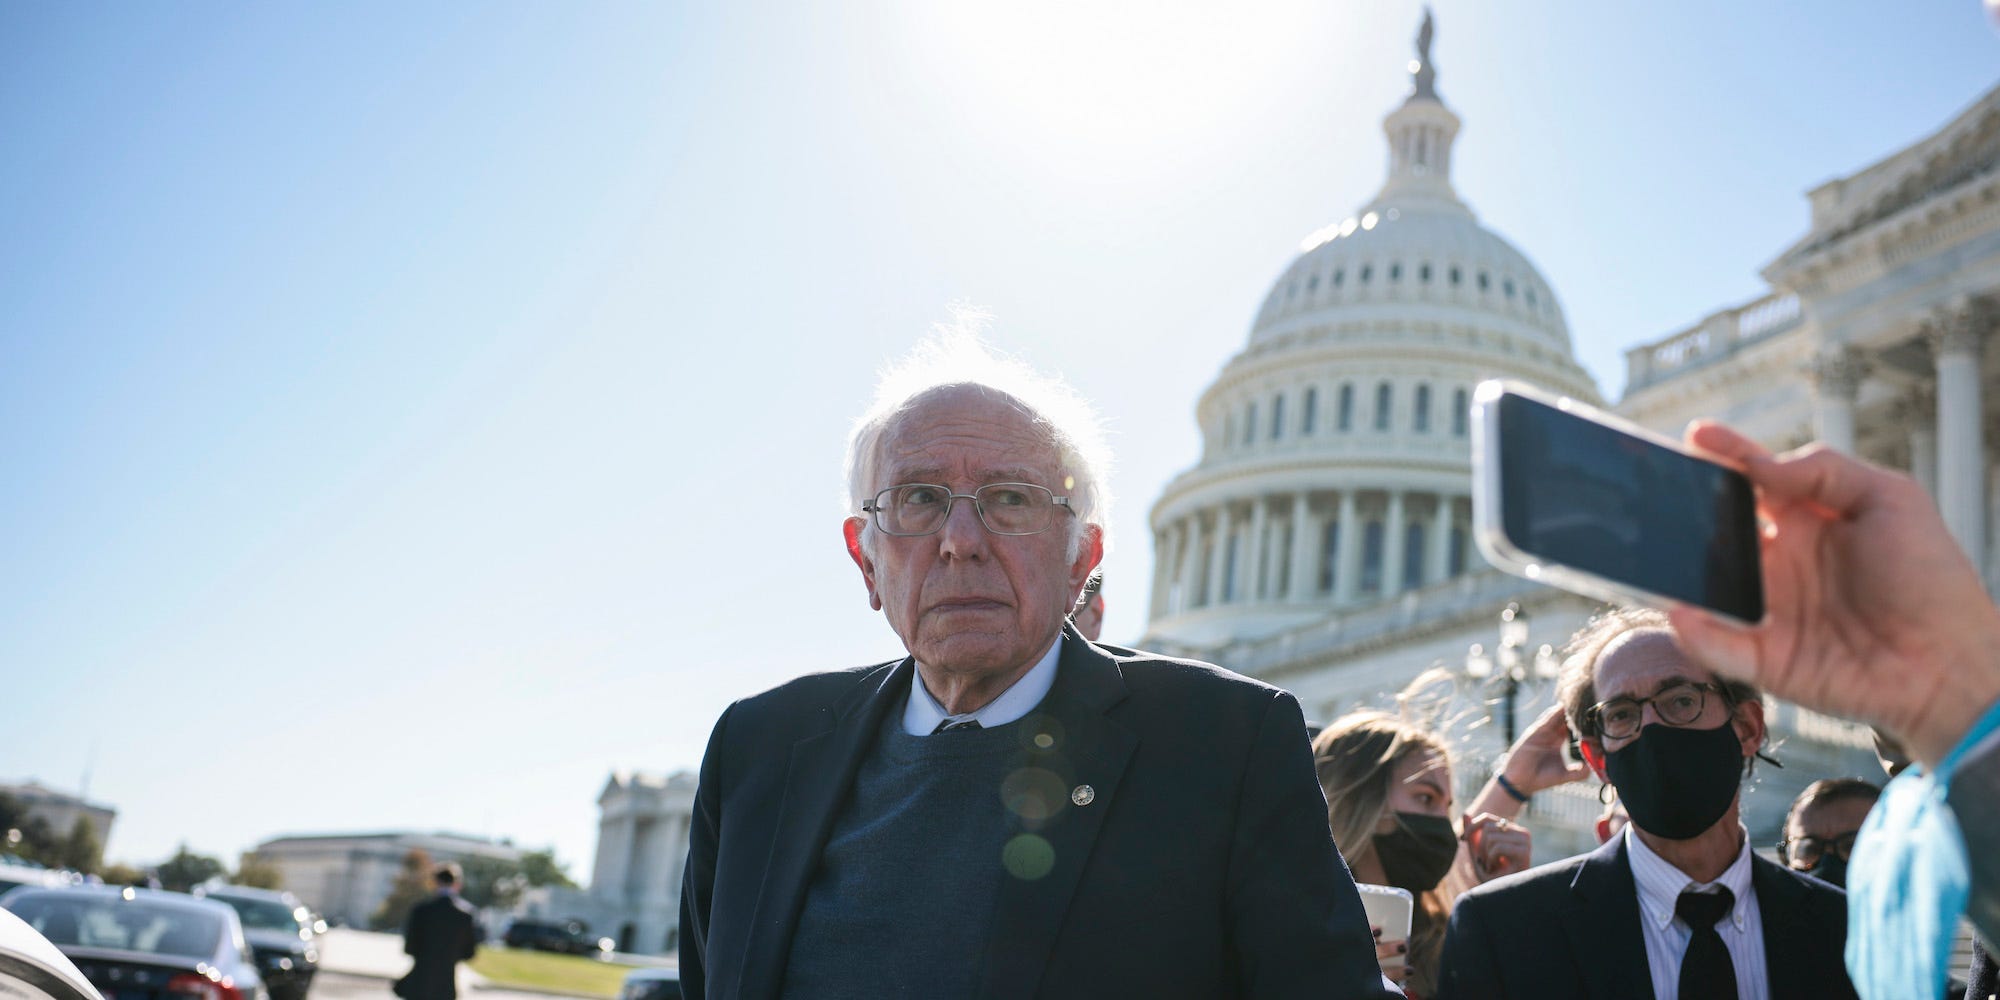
(1321, 542)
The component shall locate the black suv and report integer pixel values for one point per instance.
(281, 931)
(571, 937)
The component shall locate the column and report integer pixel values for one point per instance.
(1439, 555)
(1163, 569)
(1392, 545)
(1176, 601)
(1836, 373)
(1956, 337)
(1192, 593)
(1218, 554)
(1921, 410)
(1347, 570)
(1306, 537)
(1253, 558)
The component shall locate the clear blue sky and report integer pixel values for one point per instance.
(411, 413)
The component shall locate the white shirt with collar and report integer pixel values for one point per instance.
(922, 712)
(1660, 885)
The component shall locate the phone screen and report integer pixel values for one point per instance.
(1579, 494)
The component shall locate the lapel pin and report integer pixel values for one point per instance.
(1082, 795)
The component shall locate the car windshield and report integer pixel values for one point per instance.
(125, 924)
(263, 914)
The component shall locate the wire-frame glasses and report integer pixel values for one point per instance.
(1005, 508)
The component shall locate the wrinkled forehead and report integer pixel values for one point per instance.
(966, 434)
(1638, 663)
(1832, 817)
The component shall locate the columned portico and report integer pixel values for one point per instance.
(1836, 375)
(1957, 336)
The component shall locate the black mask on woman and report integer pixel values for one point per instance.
(1417, 852)
(1675, 782)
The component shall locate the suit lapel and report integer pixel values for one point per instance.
(1603, 926)
(1086, 753)
(1793, 947)
(821, 772)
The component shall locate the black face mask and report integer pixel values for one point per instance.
(1830, 867)
(1675, 783)
(1416, 854)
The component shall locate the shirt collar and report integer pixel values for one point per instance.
(922, 713)
(1661, 884)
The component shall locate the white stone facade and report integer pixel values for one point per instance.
(642, 844)
(345, 877)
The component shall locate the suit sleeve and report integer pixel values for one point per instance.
(1295, 923)
(413, 930)
(1975, 801)
(698, 881)
(1467, 972)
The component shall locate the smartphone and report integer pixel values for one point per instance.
(1574, 497)
(1389, 908)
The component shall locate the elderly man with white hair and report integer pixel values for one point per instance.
(1010, 810)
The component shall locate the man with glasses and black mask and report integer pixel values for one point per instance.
(1010, 810)
(1678, 906)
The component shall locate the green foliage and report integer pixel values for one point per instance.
(413, 884)
(186, 869)
(121, 875)
(255, 871)
(492, 883)
(28, 836)
(541, 868)
(81, 850)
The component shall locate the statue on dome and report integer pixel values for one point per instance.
(1423, 71)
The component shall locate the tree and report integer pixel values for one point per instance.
(122, 875)
(413, 883)
(491, 883)
(186, 869)
(27, 835)
(541, 868)
(81, 851)
(254, 870)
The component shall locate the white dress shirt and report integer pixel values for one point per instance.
(922, 712)
(1660, 885)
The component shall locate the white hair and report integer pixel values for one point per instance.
(954, 355)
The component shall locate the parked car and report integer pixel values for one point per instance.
(142, 944)
(281, 932)
(651, 984)
(32, 967)
(571, 937)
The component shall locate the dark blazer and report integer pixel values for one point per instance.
(1571, 929)
(439, 934)
(1200, 864)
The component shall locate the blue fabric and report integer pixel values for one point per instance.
(1908, 882)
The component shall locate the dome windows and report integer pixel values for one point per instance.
(1367, 271)
(1311, 415)
(1250, 425)
(1455, 276)
(1344, 416)
(1420, 412)
(1530, 293)
(1460, 412)
(1385, 395)
(1339, 275)
(1484, 282)
(1424, 274)
(1396, 271)
(1312, 284)
(1507, 286)
(1277, 417)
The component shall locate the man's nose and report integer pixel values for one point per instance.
(963, 534)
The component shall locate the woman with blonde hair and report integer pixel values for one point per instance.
(1388, 787)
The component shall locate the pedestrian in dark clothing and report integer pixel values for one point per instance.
(439, 934)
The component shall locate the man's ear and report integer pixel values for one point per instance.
(1749, 722)
(1593, 755)
(1089, 553)
(851, 529)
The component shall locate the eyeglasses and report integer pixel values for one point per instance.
(1677, 704)
(1005, 508)
(1805, 852)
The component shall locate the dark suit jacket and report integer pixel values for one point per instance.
(1571, 929)
(439, 934)
(1201, 865)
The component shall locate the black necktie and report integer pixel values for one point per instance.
(1706, 971)
(947, 725)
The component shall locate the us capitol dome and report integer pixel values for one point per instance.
(1335, 470)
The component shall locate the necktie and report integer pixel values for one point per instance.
(1706, 971)
(948, 725)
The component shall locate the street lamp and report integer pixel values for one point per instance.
(1510, 668)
